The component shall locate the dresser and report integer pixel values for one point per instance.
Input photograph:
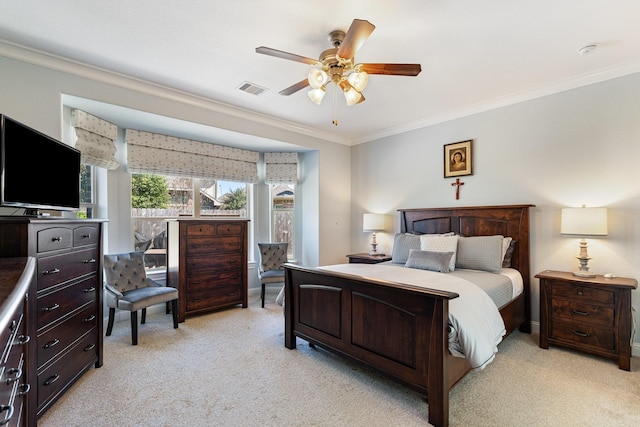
(66, 309)
(17, 277)
(207, 262)
(587, 314)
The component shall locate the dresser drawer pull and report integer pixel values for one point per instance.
(56, 239)
(54, 271)
(89, 319)
(86, 236)
(51, 308)
(90, 347)
(14, 325)
(9, 409)
(52, 379)
(17, 372)
(51, 343)
(579, 293)
(580, 313)
(89, 261)
(24, 389)
(23, 339)
(581, 334)
(88, 290)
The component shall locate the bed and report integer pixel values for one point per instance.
(397, 328)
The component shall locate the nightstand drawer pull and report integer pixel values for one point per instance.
(581, 334)
(579, 293)
(580, 313)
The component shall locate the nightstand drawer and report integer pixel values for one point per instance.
(582, 313)
(581, 293)
(596, 337)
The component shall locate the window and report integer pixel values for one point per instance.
(87, 196)
(282, 208)
(156, 198)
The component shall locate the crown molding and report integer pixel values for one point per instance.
(515, 98)
(80, 69)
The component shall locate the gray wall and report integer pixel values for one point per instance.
(564, 150)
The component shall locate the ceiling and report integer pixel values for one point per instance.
(475, 55)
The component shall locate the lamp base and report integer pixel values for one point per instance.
(585, 274)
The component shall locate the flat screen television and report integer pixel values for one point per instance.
(36, 171)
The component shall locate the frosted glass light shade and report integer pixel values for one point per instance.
(317, 78)
(584, 221)
(316, 95)
(352, 96)
(372, 222)
(358, 80)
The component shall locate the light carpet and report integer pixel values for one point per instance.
(230, 368)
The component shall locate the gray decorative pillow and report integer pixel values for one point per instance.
(480, 253)
(427, 260)
(402, 244)
(506, 261)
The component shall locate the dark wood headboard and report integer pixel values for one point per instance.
(509, 221)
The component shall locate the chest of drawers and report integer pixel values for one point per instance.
(207, 262)
(16, 347)
(66, 308)
(587, 314)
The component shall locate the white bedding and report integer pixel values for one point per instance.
(475, 325)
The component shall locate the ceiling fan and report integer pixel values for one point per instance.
(338, 65)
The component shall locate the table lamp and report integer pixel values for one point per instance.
(584, 222)
(373, 222)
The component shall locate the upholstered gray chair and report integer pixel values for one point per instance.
(272, 256)
(128, 288)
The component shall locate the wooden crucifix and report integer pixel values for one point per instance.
(457, 184)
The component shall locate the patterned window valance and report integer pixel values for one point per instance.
(95, 140)
(281, 168)
(168, 155)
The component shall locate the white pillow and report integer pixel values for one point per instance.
(438, 243)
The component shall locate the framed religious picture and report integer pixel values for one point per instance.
(457, 159)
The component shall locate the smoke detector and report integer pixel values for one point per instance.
(586, 50)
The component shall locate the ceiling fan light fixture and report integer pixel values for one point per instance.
(316, 95)
(358, 80)
(352, 96)
(317, 78)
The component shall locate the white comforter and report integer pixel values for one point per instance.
(475, 325)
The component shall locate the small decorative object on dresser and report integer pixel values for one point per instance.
(367, 259)
(588, 314)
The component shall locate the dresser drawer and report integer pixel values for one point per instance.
(229, 229)
(85, 235)
(54, 238)
(55, 340)
(195, 230)
(577, 292)
(58, 375)
(60, 268)
(215, 297)
(224, 263)
(10, 335)
(583, 313)
(65, 300)
(211, 246)
(215, 280)
(603, 338)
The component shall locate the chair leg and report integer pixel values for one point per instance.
(112, 313)
(144, 316)
(174, 310)
(168, 307)
(262, 295)
(134, 328)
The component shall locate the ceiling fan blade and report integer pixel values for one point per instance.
(286, 55)
(358, 33)
(392, 69)
(294, 88)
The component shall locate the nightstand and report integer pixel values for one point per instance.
(587, 314)
(364, 258)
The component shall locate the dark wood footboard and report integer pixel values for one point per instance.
(400, 330)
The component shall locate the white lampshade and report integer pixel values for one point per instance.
(317, 78)
(358, 80)
(316, 95)
(584, 221)
(373, 222)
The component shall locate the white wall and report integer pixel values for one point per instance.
(564, 150)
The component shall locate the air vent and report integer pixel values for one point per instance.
(251, 88)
